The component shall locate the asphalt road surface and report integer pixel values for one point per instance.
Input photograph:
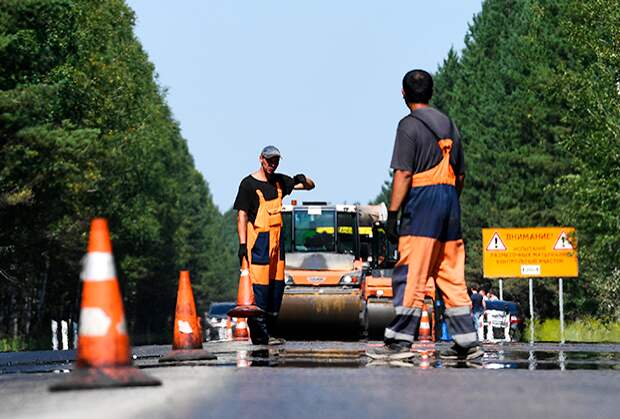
(329, 379)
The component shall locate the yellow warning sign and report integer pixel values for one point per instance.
(529, 252)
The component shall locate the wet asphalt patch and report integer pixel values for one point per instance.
(300, 354)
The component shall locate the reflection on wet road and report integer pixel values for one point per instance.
(426, 358)
(346, 355)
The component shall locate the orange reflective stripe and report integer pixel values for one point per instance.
(442, 174)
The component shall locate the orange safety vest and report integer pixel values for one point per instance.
(441, 174)
(263, 238)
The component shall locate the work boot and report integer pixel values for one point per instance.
(276, 341)
(460, 353)
(393, 350)
(258, 330)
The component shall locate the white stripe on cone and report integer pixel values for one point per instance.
(94, 322)
(98, 266)
(184, 327)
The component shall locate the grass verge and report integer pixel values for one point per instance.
(12, 344)
(582, 330)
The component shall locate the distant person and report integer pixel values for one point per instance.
(429, 171)
(259, 224)
(492, 296)
(478, 305)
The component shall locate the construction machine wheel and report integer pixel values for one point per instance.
(320, 313)
(379, 313)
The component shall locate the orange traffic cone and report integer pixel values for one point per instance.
(186, 341)
(424, 334)
(241, 330)
(245, 296)
(103, 353)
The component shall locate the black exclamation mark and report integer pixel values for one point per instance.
(496, 245)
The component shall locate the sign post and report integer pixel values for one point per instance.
(531, 294)
(501, 289)
(536, 252)
(561, 292)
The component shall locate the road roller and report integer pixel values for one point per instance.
(328, 255)
(377, 284)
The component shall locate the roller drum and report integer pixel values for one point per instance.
(320, 313)
(379, 313)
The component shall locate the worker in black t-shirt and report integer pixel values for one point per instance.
(259, 226)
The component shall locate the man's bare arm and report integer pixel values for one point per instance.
(400, 187)
(242, 226)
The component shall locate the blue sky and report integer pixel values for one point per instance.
(319, 79)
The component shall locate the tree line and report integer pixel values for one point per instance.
(85, 131)
(536, 95)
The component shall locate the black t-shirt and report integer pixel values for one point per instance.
(416, 149)
(247, 198)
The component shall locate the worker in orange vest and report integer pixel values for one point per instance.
(429, 170)
(259, 227)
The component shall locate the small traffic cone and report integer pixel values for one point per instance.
(186, 341)
(245, 296)
(103, 353)
(241, 329)
(424, 334)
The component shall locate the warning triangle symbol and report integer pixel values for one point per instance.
(496, 243)
(562, 243)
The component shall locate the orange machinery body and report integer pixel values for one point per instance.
(377, 287)
(377, 294)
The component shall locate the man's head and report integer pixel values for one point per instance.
(417, 87)
(269, 159)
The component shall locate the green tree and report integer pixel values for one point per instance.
(85, 131)
(589, 91)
